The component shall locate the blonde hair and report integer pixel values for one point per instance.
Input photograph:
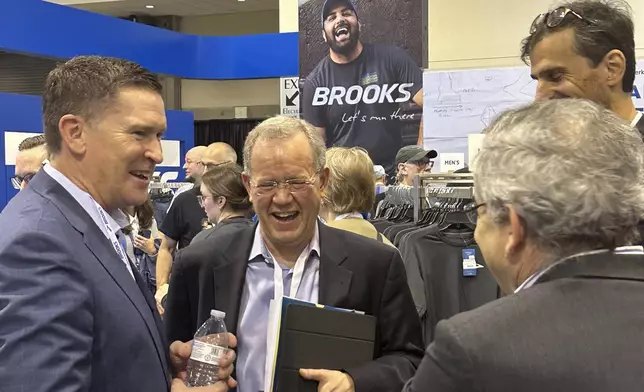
(351, 185)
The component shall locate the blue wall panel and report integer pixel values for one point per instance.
(23, 113)
(51, 30)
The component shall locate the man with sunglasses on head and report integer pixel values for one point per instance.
(186, 216)
(585, 49)
(32, 154)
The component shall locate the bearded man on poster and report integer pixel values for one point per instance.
(354, 95)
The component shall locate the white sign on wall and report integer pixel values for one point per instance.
(463, 102)
(290, 97)
(451, 162)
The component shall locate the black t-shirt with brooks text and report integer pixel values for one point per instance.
(185, 218)
(359, 103)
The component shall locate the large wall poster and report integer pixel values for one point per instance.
(361, 73)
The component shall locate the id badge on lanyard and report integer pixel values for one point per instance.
(275, 305)
(112, 237)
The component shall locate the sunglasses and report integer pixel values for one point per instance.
(553, 18)
(17, 181)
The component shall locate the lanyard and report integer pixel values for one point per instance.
(298, 273)
(278, 278)
(349, 215)
(112, 237)
(637, 118)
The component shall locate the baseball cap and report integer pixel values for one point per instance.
(414, 153)
(379, 171)
(328, 5)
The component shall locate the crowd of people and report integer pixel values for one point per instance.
(96, 295)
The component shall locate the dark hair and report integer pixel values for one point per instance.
(84, 86)
(32, 142)
(226, 180)
(606, 26)
(145, 214)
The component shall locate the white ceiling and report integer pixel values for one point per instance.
(170, 7)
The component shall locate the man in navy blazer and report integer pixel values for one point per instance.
(74, 314)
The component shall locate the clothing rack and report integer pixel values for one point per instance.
(168, 185)
(399, 195)
(440, 185)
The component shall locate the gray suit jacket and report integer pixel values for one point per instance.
(71, 316)
(580, 328)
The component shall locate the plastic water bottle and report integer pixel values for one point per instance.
(208, 347)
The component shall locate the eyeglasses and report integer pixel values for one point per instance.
(472, 211)
(293, 186)
(18, 180)
(423, 163)
(553, 18)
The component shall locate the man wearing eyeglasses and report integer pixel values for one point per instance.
(585, 49)
(32, 153)
(412, 160)
(290, 252)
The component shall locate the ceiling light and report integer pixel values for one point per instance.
(149, 6)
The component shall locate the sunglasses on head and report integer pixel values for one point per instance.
(553, 18)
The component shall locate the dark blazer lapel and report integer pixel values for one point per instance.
(230, 276)
(102, 249)
(335, 280)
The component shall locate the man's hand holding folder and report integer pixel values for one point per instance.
(329, 380)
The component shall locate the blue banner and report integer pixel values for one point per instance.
(45, 29)
(22, 114)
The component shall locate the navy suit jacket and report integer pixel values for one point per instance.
(71, 316)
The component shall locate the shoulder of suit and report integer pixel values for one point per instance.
(356, 245)
(210, 250)
(497, 320)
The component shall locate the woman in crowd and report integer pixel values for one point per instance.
(225, 200)
(142, 241)
(351, 191)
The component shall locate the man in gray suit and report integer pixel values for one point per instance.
(74, 314)
(559, 190)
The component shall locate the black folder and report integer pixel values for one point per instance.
(315, 337)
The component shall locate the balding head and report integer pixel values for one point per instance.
(191, 166)
(218, 153)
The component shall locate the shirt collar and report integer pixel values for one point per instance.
(637, 249)
(117, 219)
(637, 118)
(259, 247)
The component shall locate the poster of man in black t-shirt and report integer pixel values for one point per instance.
(361, 93)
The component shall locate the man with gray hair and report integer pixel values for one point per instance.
(559, 191)
(290, 252)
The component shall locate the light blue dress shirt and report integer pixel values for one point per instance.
(256, 296)
(116, 219)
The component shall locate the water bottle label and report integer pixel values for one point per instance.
(206, 353)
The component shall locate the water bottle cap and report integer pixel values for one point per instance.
(218, 314)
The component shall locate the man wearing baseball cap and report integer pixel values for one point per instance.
(357, 94)
(412, 160)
